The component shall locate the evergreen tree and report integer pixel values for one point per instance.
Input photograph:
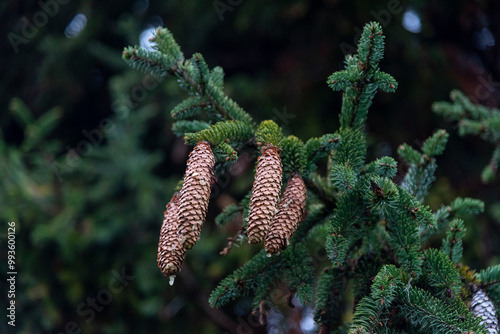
(372, 228)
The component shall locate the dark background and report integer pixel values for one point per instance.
(88, 160)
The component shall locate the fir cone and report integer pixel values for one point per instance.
(481, 306)
(286, 220)
(265, 194)
(195, 194)
(171, 254)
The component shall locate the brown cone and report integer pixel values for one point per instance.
(265, 194)
(286, 220)
(195, 194)
(171, 254)
(482, 307)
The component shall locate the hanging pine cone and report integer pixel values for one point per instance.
(171, 254)
(286, 220)
(195, 194)
(481, 306)
(265, 194)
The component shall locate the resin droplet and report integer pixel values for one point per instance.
(171, 280)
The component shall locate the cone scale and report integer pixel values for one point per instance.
(171, 254)
(290, 211)
(482, 307)
(195, 194)
(265, 194)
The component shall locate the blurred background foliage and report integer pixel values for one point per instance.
(88, 160)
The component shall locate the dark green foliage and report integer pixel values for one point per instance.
(422, 214)
(230, 213)
(193, 76)
(351, 151)
(245, 280)
(489, 276)
(361, 78)
(318, 148)
(345, 216)
(217, 133)
(370, 228)
(381, 196)
(422, 167)
(452, 245)
(405, 241)
(293, 154)
(182, 127)
(260, 274)
(435, 144)
(269, 133)
(441, 274)
(88, 161)
(385, 167)
(331, 285)
(459, 208)
(343, 177)
(190, 107)
(474, 120)
(489, 279)
(431, 315)
(299, 273)
(370, 309)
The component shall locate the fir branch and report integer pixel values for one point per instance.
(316, 215)
(489, 172)
(351, 151)
(217, 76)
(405, 241)
(229, 213)
(343, 177)
(452, 244)
(409, 154)
(224, 154)
(422, 214)
(367, 316)
(320, 192)
(475, 120)
(188, 108)
(292, 155)
(385, 167)
(231, 241)
(420, 174)
(441, 273)
(268, 133)
(217, 133)
(435, 144)
(460, 207)
(345, 216)
(182, 127)
(331, 285)
(193, 74)
(298, 273)
(243, 280)
(381, 195)
(431, 315)
(318, 148)
(489, 276)
(361, 78)
(165, 43)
